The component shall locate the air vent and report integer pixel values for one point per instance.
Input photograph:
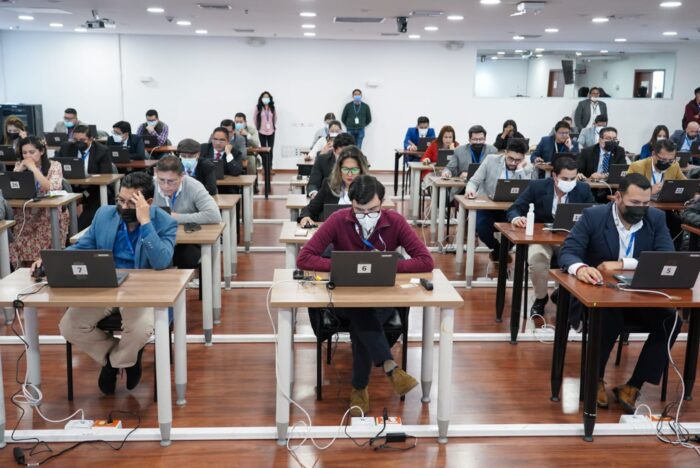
(214, 6)
(389, 34)
(243, 30)
(426, 13)
(357, 20)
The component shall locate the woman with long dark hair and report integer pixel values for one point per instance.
(510, 130)
(660, 133)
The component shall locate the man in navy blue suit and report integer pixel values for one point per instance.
(610, 237)
(560, 142)
(546, 195)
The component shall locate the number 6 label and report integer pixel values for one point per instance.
(364, 268)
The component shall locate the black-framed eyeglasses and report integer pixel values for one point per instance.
(370, 214)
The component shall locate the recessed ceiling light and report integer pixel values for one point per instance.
(600, 19)
(578, 54)
(26, 17)
(670, 4)
(201, 31)
(518, 38)
(539, 49)
(309, 34)
(455, 17)
(620, 39)
(155, 10)
(308, 26)
(501, 52)
(551, 30)
(490, 2)
(670, 33)
(414, 36)
(307, 14)
(184, 23)
(431, 28)
(518, 51)
(55, 25)
(80, 30)
(603, 51)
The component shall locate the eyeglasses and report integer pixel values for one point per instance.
(169, 182)
(369, 214)
(510, 160)
(350, 170)
(563, 134)
(477, 140)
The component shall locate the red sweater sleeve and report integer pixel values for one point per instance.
(691, 110)
(309, 257)
(431, 152)
(421, 261)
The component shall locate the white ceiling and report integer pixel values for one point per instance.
(635, 20)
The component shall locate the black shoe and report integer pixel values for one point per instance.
(256, 190)
(555, 295)
(538, 306)
(108, 379)
(133, 373)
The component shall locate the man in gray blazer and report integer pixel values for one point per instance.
(69, 122)
(589, 135)
(473, 153)
(511, 165)
(588, 109)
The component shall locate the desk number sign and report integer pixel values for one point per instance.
(14, 185)
(668, 270)
(79, 269)
(364, 268)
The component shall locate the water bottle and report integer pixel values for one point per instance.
(530, 226)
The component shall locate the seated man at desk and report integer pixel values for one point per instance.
(560, 142)
(153, 126)
(413, 134)
(472, 153)
(188, 202)
(609, 238)
(546, 195)
(511, 165)
(97, 161)
(365, 226)
(589, 135)
(594, 162)
(122, 137)
(69, 123)
(140, 236)
(324, 163)
(219, 148)
(203, 170)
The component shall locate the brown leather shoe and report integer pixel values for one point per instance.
(402, 382)
(627, 396)
(359, 397)
(602, 398)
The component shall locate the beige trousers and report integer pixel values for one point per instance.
(252, 168)
(79, 327)
(538, 258)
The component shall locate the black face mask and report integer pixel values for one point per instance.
(477, 148)
(611, 146)
(128, 215)
(634, 214)
(662, 165)
(13, 136)
(81, 145)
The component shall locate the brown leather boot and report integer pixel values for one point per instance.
(359, 397)
(402, 382)
(602, 398)
(627, 396)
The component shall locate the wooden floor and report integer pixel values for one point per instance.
(233, 385)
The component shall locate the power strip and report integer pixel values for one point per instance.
(367, 421)
(79, 425)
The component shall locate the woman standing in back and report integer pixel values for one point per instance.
(265, 118)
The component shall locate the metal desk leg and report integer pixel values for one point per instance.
(180, 331)
(459, 239)
(520, 256)
(31, 336)
(165, 411)
(294, 214)
(216, 281)
(561, 335)
(55, 229)
(415, 192)
(205, 280)
(445, 373)
(691, 353)
(5, 270)
(434, 197)
(397, 156)
(426, 361)
(116, 186)
(103, 195)
(2, 409)
(290, 255)
(442, 207)
(284, 364)
(248, 216)
(73, 211)
(591, 385)
(502, 277)
(226, 240)
(471, 241)
(234, 242)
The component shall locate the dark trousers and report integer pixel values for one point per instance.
(673, 221)
(485, 229)
(269, 141)
(187, 256)
(90, 205)
(358, 134)
(654, 356)
(369, 344)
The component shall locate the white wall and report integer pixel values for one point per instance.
(494, 78)
(200, 80)
(3, 70)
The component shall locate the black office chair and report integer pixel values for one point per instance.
(111, 324)
(326, 324)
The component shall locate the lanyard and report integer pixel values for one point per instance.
(367, 243)
(173, 199)
(630, 245)
(475, 160)
(653, 177)
(688, 141)
(356, 108)
(128, 239)
(507, 177)
(85, 155)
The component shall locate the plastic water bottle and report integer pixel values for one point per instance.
(530, 226)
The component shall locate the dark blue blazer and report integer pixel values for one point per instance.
(545, 149)
(541, 193)
(412, 136)
(137, 150)
(594, 238)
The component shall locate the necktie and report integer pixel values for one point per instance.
(218, 155)
(606, 162)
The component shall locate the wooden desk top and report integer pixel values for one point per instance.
(293, 294)
(208, 234)
(142, 288)
(691, 229)
(96, 179)
(596, 184)
(256, 150)
(603, 296)
(289, 228)
(294, 182)
(481, 202)
(5, 225)
(452, 182)
(517, 235)
(239, 181)
(161, 149)
(305, 162)
(226, 202)
(297, 201)
(419, 166)
(54, 202)
(140, 164)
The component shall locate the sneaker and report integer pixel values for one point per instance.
(627, 396)
(602, 397)
(538, 306)
(401, 381)
(133, 373)
(359, 398)
(107, 380)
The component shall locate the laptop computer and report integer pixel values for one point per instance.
(330, 208)
(423, 143)
(7, 154)
(55, 138)
(150, 141)
(616, 173)
(683, 158)
(363, 268)
(119, 154)
(81, 269)
(678, 191)
(507, 190)
(444, 156)
(471, 170)
(219, 168)
(17, 185)
(73, 168)
(664, 270)
(566, 216)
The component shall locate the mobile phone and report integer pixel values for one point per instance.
(192, 227)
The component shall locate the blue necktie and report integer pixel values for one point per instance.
(606, 162)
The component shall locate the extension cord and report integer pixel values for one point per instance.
(642, 419)
(367, 421)
(79, 424)
(392, 422)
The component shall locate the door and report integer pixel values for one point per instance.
(556, 83)
(649, 83)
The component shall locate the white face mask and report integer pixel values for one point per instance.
(660, 138)
(116, 138)
(422, 132)
(368, 224)
(594, 99)
(566, 186)
(333, 134)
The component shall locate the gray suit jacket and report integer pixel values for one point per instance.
(193, 204)
(484, 180)
(60, 127)
(583, 113)
(462, 158)
(588, 137)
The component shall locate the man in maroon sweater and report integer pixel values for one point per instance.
(365, 227)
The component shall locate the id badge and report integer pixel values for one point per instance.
(268, 126)
(357, 121)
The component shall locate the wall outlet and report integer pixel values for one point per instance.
(79, 424)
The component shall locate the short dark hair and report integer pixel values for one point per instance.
(423, 119)
(226, 123)
(241, 115)
(564, 162)
(667, 145)
(336, 123)
(697, 90)
(605, 130)
(170, 164)
(342, 140)
(356, 90)
(567, 118)
(141, 181)
(562, 124)
(125, 127)
(70, 110)
(83, 129)
(601, 118)
(476, 129)
(364, 188)
(594, 88)
(329, 116)
(634, 179)
(152, 113)
(221, 129)
(517, 145)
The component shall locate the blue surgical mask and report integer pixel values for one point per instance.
(116, 138)
(151, 123)
(68, 123)
(357, 98)
(240, 126)
(266, 100)
(189, 164)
